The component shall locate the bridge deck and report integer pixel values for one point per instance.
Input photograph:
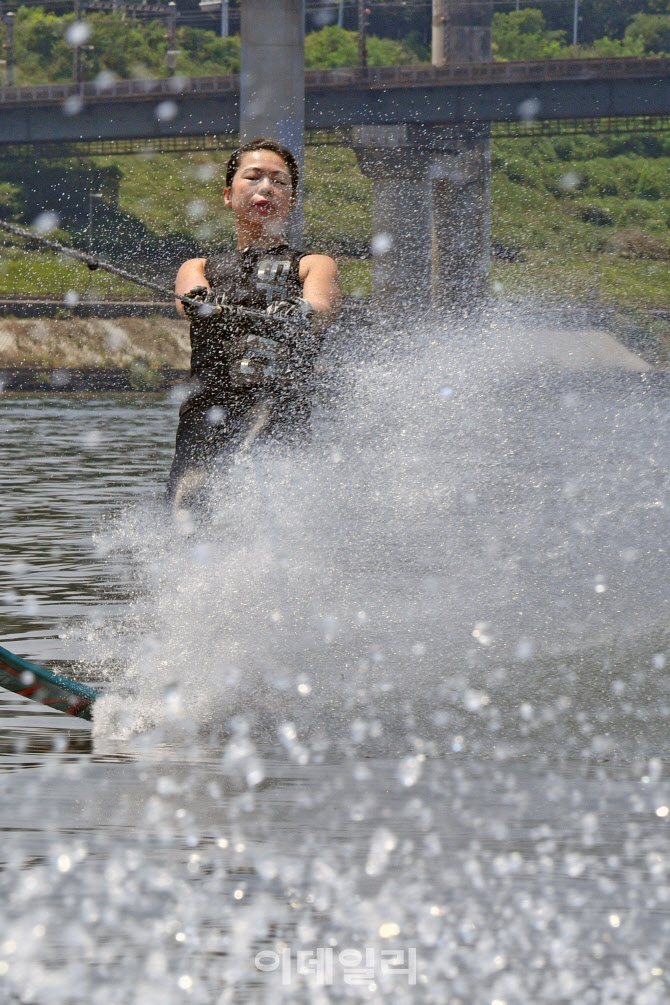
(435, 96)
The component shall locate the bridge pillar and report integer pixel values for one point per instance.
(398, 164)
(431, 195)
(272, 79)
(461, 238)
(460, 175)
(430, 214)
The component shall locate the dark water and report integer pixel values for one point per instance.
(396, 720)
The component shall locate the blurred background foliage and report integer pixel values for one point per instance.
(127, 47)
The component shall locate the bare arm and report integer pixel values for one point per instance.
(320, 286)
(191, 273)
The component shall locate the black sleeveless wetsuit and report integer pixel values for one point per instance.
(247, 373)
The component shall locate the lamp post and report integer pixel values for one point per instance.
(362, 33)
(575, 21)
(9, 48)
(438, 47)
(223, 4)
(172, 53)
(91, 197)
(76, 55)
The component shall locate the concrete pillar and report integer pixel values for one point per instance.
(468, 31)
(460, 177)
(401, 219)
(272, 80)
(461, 237)
(439, 33)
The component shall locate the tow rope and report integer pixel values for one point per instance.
(93, 263)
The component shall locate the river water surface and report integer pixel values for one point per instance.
(391, 725)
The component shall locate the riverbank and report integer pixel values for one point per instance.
(140, 346)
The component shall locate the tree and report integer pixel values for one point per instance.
(606, 48)
(523, 34)
(599, 18)
(333, 46)
(650, 31)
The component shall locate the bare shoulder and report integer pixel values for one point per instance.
(191, 273)
(318, 265)
(193, 265)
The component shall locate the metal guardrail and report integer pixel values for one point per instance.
(372, 77)
(510, 72)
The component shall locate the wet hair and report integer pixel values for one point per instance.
(263, 143)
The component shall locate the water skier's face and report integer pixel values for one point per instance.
(260, 194)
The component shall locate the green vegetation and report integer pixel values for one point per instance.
(584, 220)
(124, 48)
(334, 46)
(523, 34)
(127, 48)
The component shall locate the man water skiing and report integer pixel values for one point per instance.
(252, 372)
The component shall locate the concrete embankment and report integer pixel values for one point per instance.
(120, 353)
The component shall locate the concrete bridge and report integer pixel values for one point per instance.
(473, 94)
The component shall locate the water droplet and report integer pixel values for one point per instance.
(196, 209)
(105, 80)
(77, 33)
(529, 109)
(382, 844)
(30, 606)
(166, 111)
(381, 243)
(178, 83)
(73, 105)
(205, 172)
(287, 732)
(46, 223)
(569, 181)
(525, 650)
(483, 634)
(91, 439)
(409, 771)
(179, 393)
(215, 415)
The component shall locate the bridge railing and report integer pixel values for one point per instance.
(363, 77)
(513, 72)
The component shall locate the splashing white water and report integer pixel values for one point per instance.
(460, 477)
